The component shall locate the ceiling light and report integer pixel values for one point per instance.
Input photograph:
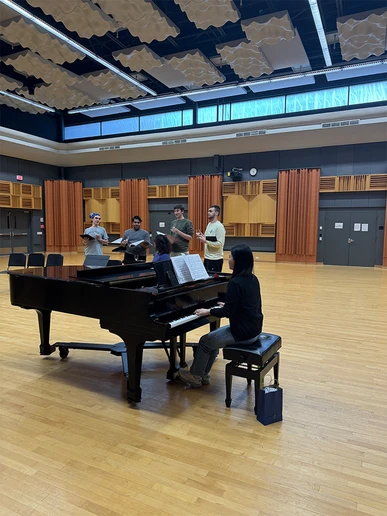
(320, 31)
(27, 101)
(209, 90)
(74, 44)
(98, 108)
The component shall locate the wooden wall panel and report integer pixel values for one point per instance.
(262, 209)
(64, 215)
(297, 215)
(236, 209)
(202, 192)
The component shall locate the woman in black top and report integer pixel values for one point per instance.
(242, 307)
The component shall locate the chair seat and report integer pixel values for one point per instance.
(257, 353)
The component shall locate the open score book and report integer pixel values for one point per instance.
(188, 267)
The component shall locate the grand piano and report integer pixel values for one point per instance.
(130, 301)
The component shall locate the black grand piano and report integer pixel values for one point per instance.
(131, 301)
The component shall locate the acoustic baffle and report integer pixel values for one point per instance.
(133, 201)
(203, 191)
(64, 215)
(297, 215)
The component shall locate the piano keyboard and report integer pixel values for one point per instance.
(186, 319)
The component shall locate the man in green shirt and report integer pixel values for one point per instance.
(182, 232)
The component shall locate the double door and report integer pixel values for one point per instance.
(350, 238)
(14, 231)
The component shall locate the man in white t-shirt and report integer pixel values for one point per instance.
(213, 240)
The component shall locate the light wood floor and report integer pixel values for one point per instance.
(70, 444)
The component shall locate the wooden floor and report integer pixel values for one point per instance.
(70, 444)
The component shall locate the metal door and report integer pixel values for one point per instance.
(336, 235)
(350, 238)
(14, 231)
(362, 238)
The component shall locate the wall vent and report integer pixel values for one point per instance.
(251, 133)
(173, 142)
(110, 147)
(343, 123)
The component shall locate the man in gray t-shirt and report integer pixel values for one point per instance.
(135, 253)
(181, 232)
(98, 236)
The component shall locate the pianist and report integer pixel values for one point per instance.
(163, 249)
(242, 307)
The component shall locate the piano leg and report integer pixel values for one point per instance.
(171, 373)
(214, 325)
(182, 344)
(44, 319)
(134, 350)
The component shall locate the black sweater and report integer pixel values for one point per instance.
(243, 307)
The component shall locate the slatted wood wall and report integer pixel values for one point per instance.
(202, 192)
(64, 215)
(297, 215)
(133, 201)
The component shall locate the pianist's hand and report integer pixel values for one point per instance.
(202, 312)
(219, 303)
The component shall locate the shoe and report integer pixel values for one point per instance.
(186, 376)
(206, 379)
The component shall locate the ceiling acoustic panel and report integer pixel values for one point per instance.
(80, 16)
(19, 31)
(196, 68)
(245, 58)
(362, 35)
(111, 83)
(7, 83)
(58, 96)
(16, 104)
(269, 29)
(142, 18)
(138, 58)
(204, 13)
(32, 65)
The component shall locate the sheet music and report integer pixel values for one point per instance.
(181, 269)
(196, 267)
(118, 241)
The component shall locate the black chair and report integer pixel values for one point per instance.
(253, 363)
(54, 260)
(96, 260)
(110, 263)
(16, 260)
(35, 260)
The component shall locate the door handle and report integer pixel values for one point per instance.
(350, 240)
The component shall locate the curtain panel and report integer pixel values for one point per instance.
(202, 192)
(133, 201)
(297, 215)
(64, 215)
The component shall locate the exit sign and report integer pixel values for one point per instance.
(19, 178)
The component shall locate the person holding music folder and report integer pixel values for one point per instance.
(95, 236)
(213, 240)
(243, 307)
(181, 232)
(136, 241)
(163, 249)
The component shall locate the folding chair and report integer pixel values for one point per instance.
(96, 260)
(35, 260)
(16, 260)
(54, 260)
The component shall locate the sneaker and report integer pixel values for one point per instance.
(206, 379)
(186, 376)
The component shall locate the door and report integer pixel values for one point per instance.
(350, 238)
(14, 231)
(160, 221)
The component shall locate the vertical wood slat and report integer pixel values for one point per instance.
(297, 215)
(202, 192)
(133, 201)
(385, 239)
(64, 215)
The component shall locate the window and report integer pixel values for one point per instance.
(224, 112)
(188, 117)
(125, 125)
(363, 93)
(207, 115)
(161, 121)
(82, 131)
(257, 108)
(312, 100)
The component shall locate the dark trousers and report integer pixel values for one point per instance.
(129, 258)
(213, 265)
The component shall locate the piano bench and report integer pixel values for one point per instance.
(253, 363)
